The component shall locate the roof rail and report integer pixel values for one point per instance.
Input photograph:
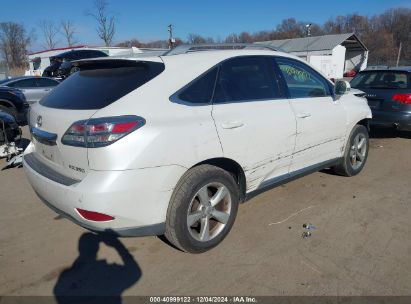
(188, 48)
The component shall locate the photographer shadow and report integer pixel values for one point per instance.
(89, 279)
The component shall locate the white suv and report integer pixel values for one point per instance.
(172, 144)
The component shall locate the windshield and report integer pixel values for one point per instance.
(381, 80)
(98, 87)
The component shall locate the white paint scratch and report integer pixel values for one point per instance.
(292, 215)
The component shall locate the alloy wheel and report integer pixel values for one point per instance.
(209, 212)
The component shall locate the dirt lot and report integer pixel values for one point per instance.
(362, 244)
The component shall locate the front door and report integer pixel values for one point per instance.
(321, 119)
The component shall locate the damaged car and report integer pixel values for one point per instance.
(171, 145)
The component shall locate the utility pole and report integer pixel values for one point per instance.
(308, 27)
(171, 40)
(399, 53)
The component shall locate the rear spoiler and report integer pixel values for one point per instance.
(110, 63)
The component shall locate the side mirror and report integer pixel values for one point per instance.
(341, 87)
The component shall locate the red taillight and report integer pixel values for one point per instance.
(404, 98)
(100, 132)
(124, 127)
(94, 216)
(79, 128)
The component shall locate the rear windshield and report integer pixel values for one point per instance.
(381, 80)
(97, 88)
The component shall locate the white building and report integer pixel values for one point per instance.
(332, 54)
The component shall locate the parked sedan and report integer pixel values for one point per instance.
(388, 91)
(34, 88)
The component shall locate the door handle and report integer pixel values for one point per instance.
(232, 124)
(303, 115)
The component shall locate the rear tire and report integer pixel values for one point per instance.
(356, 152)
(202, 209)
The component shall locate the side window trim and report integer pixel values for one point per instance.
(176, 99)
(323, 79)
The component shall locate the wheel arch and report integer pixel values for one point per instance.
(233, 168)
(365, 122)
(6, 103)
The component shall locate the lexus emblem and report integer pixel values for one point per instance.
(39, 121)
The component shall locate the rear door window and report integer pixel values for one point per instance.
(24, 83)
(45, 82)
(245, 79)
(102, 85)
(95, 54)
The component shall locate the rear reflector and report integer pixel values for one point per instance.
(94, 216)
(402, 98)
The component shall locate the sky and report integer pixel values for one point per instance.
(148, 20)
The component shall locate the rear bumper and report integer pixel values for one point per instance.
(401, 120)
(137, 199)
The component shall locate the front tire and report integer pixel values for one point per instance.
(202, 209)
(356, 152)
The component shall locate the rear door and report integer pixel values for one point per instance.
(254, 119)
(321, 119)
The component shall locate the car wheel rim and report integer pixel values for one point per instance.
(209, 212)
(358, 151)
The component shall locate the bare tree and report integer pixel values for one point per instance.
(232, 38)
(49, 31)
(68, 30)
(14, 42)
(105, 22)
(195, 39)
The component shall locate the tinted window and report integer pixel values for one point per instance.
(44, 82)
(25, 83)
(301, 80)
(381, 80)
(82, 54)
(201, 89)
(97, 88)
(70, 56)
(94, 54)
(247, 78)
